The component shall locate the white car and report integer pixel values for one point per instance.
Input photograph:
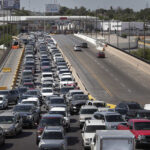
(66, 80)
(52, 136)
(46, 92)
(3, 102)
(147, 106)
(89, 130)
(77, 48)
(47, 75)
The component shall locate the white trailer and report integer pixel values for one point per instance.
(113, 140)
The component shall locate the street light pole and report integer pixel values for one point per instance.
(144, 39)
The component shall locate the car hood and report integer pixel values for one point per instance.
(51, 142)
(5, 126)
(47, 94)
(24, 113)
(85, 116)
(142, 132)
(88, 135)
(78, 102)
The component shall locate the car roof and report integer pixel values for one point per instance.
(139, 120)
(58, 109)
(7, 113)
(94, 122)
(30, 100)
(96, 101)
(88, 107)
(74, 91)
(52, 115)
(53, 128)
(107, 113)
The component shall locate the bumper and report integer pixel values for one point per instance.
(10, 133)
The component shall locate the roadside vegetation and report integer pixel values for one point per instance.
(142, 53)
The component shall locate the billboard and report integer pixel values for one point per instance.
(10, 4)
(52, 8)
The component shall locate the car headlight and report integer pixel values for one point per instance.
(141, 137)
(29, 117)
(74, 107)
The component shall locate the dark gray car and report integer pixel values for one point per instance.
(29, 114)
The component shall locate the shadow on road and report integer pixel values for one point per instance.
(72, 141)
(6, 146)
(24, 134)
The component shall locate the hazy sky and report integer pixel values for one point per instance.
(38, 5)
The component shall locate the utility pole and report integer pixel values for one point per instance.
(144, 38)
(96, 23)
(129, 36)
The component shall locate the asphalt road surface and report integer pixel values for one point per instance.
(109, 79)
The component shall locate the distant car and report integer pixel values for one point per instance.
(46, 92)
(53, 136)
(101, 54)
(11, 123)
(2, 136)
(84, 45)
(3, 102)
(77, 48)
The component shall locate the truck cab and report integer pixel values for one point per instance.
(113, 140)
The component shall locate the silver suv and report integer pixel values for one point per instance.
(11, 123)
(52, 136)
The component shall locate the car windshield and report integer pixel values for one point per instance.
(52, 135)
(30, 102)
(134, 106)
(57, 101)
(114, 118)
(99, 104)
(22, 90)
(29, 85)
(76, 93)
(23, 108)
(6, 119)
(27, 73)
(47, 90)
(142, 125)
(51, 121)
(32, 92)
(58, 112)
(66, 79)
(47, 75)
(143, 115)
(88, 111)
(92, 129)
(66, 90)
(80, 97)
(47, 85)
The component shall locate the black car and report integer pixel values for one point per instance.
(65, 90)
(76, 102)
(11, 95)
(84, 45)
(29, 114)
(127, 107)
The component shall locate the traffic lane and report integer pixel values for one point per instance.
(113, 80)
(91, 84)
(23, 141)
(12, 62)
(120, 71)
(131, 71)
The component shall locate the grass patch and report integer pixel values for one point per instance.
(142, 54)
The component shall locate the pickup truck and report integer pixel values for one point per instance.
(140, 128)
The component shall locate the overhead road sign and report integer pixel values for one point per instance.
(52, 8)
(10, 4)
(6, 69)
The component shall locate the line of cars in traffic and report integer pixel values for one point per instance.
(48, 95)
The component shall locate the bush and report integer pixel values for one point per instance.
(124, 35)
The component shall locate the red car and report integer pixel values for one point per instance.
(140, 128)
(29, 85)
(101, 54)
